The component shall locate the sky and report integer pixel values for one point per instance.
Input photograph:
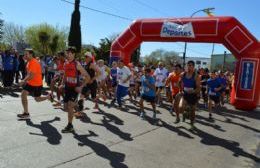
(95, 26)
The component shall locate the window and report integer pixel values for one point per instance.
(198, 62)
(204, 63)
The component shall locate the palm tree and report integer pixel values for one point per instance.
(44, 39)
(54, 44)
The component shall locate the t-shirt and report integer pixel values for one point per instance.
(160, 76)
(113, 74)
(223, 81)
(123, 74)
(34, 67)
(212, 84)
(204, 79)
(174, 78)
(145, 90)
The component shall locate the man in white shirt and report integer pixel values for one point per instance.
(160, 75)
(123, 78)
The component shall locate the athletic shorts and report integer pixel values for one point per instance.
(92, 88)
(150, 99)
(176, 95)
(216, 99)
(70, 94)
(132, 85)
(227, 91)
(35, 91)
(191, 99)
(159, 87)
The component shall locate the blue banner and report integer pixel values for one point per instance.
(247, 75)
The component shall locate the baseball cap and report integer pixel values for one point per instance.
(72, 49)
(88, 54)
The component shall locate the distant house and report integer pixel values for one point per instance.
(221, 62)
(200, 62)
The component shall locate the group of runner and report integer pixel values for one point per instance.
(74, 81)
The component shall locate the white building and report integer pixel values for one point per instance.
(200, 62)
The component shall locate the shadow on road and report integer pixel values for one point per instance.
(9, 92)
(242, 115)
(52, 134)
(111, 117)
(232, 146)
(116, 159)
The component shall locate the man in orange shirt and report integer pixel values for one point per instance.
(32, 83)
(174, 79)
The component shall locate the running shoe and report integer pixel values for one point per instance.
(51, 97)
(142, 115)
(154, 115)
(68, 129)
(177, 120)
(23, 116)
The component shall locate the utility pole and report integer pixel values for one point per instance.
(207, 11)
(224, 61)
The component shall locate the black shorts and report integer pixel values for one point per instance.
(70, 94)
(204, 93)
(216, 99)
(150, 99)
(159, 87)
(132, 85)
(35, 91)
(191, 99)
(227, 91)
(92, 88)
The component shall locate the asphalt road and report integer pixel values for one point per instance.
(110, 137)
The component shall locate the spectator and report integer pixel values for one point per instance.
(8, 73)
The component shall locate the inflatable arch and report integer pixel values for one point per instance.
(224, 30)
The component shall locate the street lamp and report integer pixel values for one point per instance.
(208, 12)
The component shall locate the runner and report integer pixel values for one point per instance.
(101, 80)
(138, 76)
(91, 86)
(190, 83)
(58, 76)
(223, 81)
(160, 75)
(173, 80)
(131, 91)
(123, 77)
(204, 78)
(147, 92)
(113, 76)
(32, 83)
(214, 88)
(70, 82)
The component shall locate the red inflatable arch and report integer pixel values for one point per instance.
(225, 30)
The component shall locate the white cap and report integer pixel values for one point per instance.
(88, 54)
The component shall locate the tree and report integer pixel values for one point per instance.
(1, 28)
(46, 39)
(160, 55)
(54, 44)
(135, 57)
(104, 49)
(75, 31)
(13, 34)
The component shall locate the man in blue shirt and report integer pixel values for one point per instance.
(214, 87)
(148, 92)
(8, 73)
